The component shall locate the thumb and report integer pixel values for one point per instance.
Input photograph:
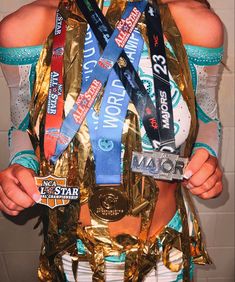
(196, 162)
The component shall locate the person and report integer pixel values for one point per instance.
(161, 241)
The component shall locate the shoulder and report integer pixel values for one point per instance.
(29, 25)
(198, 24)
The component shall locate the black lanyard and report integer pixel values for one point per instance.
(126, 73)
(149, 114)
(161, 79)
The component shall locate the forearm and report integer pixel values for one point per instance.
(19, 79)
(205, 69)
(21, 149)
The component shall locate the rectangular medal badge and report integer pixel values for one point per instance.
(55, 192)
(159, 165)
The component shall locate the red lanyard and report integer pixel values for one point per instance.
(55, 101)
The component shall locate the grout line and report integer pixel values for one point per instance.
(36, 251)
(5, 266)
(216, 213)
(220, 248)
(230, 126)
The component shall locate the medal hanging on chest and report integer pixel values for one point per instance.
(108, 200)
(54, 190)
(61, 136)
(164, 163)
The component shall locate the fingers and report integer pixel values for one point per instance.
(26, 179)
(212, 193)
(17, 189)
(206, 186)
(9, 203)
(8, 211)
(196, 162)
(206, 170)
(14, 192)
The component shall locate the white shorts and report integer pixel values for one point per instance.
(114, 271)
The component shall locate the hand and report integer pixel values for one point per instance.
(204, 176)
(18, 190)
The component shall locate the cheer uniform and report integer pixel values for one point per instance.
(19, 65)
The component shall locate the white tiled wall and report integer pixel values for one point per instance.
(20, 244)
(217, 215)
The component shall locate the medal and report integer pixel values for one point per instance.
(108, 203)
(163, 163)
(55, 192)
(159, 165)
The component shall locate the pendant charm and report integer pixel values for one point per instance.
(108, 204)
(159, 165)
(55, 192)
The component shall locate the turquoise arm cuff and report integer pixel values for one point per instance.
(20, 55)
(199, 145)
(26, 159)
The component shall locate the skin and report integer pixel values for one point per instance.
(204, 176)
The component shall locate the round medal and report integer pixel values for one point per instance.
(108, 204)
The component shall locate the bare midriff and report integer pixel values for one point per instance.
(165, 209)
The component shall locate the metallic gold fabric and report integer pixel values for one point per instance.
(61, 225)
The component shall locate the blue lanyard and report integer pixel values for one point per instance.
(106, 137)
(127, 74)
(157, 120)
(99, 76)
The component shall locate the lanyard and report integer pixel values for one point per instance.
(162, 164)
(133, 84)
(106, 129)
(55, 102)
(99, 76)
(127, 74)
(161, 80)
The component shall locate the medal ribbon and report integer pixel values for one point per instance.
(106, 137)
(55, 102)
(99, 76)
(132, 82)
(127, 74)
(161, 79)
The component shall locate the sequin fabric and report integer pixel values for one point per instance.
(20, 55)
(204, 56)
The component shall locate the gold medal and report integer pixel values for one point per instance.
(55, 192)
(108, 204)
